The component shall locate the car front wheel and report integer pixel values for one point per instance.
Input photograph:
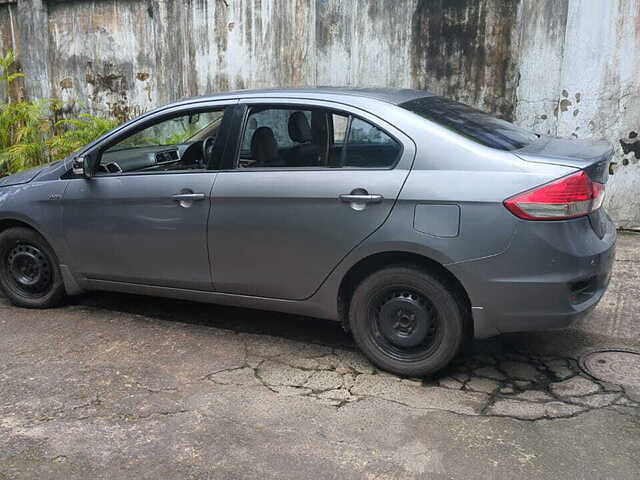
(29, 272)
(407, 321)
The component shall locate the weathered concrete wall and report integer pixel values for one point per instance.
(579, 77)
(566, 67)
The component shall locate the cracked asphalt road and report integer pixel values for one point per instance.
(120, 387)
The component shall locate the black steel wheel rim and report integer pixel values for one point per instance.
(405, 324)
(28, 270)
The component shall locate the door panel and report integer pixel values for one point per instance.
(130, 228)
(279, 233)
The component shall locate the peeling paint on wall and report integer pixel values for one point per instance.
(578, 71)
(559, 67)
(631, 145)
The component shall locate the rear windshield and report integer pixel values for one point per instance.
(474, 124)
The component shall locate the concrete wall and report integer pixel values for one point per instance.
(566, 67)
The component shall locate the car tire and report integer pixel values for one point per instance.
(29, 272)
(408, 321)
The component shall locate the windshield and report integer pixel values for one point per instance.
(471, 123)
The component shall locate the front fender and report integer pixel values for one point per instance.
(37, 205)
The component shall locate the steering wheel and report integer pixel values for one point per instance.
(207, 150)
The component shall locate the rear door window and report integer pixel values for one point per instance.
(288, 137)
(283, 138)
(277, 120)
(471, 123)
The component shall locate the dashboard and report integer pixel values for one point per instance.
(157, 157)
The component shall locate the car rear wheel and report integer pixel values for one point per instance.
(29, 272)
(407, 321)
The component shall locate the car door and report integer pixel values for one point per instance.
(143, 217)
(285, 215)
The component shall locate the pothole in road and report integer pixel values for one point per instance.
(620, 366)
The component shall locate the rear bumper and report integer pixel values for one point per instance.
(552, 274)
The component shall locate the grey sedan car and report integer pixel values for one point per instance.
(414, 220)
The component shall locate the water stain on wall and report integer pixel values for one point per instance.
(462, 49)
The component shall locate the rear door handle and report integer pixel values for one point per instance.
(190, 197)
(355, 198)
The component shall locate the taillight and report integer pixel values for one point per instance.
(569, 197)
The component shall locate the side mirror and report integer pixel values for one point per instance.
(78, 166)
(84, 165)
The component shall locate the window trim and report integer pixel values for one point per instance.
(291, 104)
(345, 143)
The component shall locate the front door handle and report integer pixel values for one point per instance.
(186, 199)
(357, 198)
(192, 197)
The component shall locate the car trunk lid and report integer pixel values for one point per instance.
(593, 156)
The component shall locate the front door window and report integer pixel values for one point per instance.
(182, 142)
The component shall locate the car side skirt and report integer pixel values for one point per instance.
(296, 307)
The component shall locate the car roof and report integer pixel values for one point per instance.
(391, 96)
(394, 96)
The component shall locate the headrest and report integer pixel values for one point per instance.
(264, 147)
(299, 129)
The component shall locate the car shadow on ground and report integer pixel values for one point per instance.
(309, 329)
(240, 320)
(529, 376)
(566, 342)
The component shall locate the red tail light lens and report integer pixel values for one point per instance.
(569, 197)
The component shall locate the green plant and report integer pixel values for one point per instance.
(7, 77)
(31, 131)
(24, 127)
(77, 132)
